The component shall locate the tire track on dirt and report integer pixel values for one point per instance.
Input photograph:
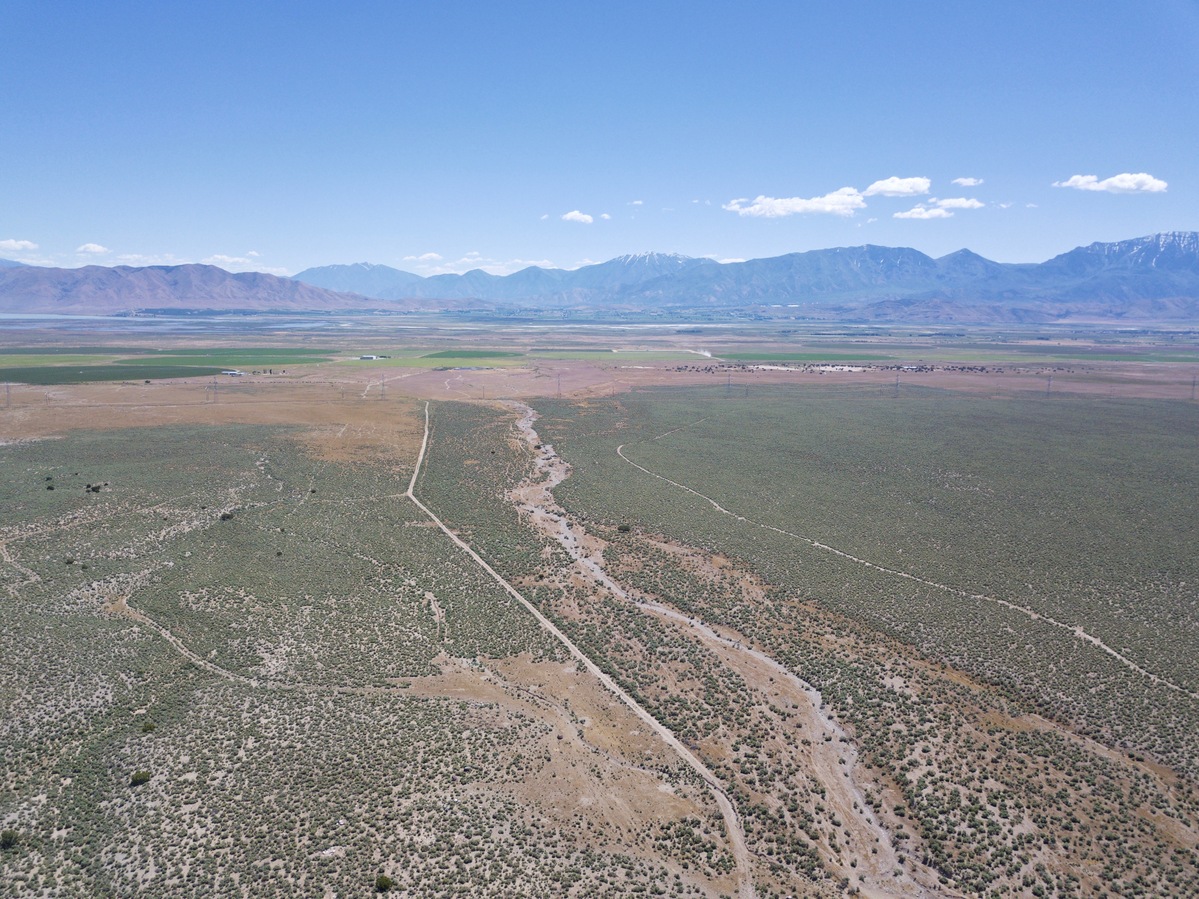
(1075, 630)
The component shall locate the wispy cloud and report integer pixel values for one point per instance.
(605, 216)
(247, 263)
(139, 259)
(224, 261)
(939, 208)
(1125, 183)
(843, 202)
(637, 203)
(924, 212)
(575, 216)
(959, 203)
(968, 182)
(898, 187)
(92, 249)
(435, 264)
(17, 246)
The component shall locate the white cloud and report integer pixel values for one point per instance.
(1125, 183)
(222, 260)
(433, 264)
(575, 216)
(938, 208)
(545, 216)
(605, 216)
(17, 246)
(241, 264)
(140, 259)
(841, 202)
(92, 249)
(637, 203)
(898, 187)
(968, 182)
(253, 253)
(960, 203)
(924, 212)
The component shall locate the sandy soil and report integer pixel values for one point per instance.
(338, 424)
(604, 766)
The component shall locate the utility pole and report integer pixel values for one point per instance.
(8, 394)
(382, 387)
(560, 385)
(1193, 379)
(1049, 385)
(897, 385)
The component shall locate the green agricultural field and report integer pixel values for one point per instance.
(611, 355)
(51, 366)
(470, 354)
(233, 358)
(69, 374)
(455, 358)
(16, 359)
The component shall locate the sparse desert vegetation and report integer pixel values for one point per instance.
(924, 640)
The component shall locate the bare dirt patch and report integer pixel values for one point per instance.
(604, 771)
(338, 425)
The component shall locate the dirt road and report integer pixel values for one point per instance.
(733, 828)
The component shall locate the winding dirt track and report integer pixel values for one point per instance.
(733, 827)
(1074, 630)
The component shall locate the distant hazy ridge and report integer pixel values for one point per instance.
(1147, 279)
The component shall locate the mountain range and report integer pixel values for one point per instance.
(1146, 279)
(1150, 278)
(100, 290)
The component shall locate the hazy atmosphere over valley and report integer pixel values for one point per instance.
(563, 450)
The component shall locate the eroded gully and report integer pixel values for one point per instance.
(831, 761)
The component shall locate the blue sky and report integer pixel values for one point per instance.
(442, 136)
